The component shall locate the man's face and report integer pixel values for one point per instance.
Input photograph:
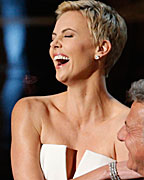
(132, 133)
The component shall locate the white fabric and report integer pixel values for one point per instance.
(53, 162)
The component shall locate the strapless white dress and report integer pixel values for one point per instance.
(53, 160)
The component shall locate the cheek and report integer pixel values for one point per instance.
(80, 52)
(135, 147)
(87, 46)
(136, 158)
(76, 47)
(136, 151)
(131, 146)
(50, 52)
(84, 44)
(130, 143)
(140, 150)
(87, 51)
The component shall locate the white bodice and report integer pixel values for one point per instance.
(53, 160)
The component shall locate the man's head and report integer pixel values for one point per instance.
(132, 133)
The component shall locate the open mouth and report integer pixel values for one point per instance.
(61, 60)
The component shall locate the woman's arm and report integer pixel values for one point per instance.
(104, 173)
(25, 147)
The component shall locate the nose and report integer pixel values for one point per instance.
(122, 134)
(56, 43)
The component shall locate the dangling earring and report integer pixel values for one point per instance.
(97, 57)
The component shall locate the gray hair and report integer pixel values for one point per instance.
(136, 92)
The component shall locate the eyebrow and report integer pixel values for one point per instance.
(64, 30)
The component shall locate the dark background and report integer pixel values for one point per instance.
(39, 21)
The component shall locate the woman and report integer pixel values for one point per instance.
(67, 135)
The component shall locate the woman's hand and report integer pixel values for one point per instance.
(103, 173)
(126, 173)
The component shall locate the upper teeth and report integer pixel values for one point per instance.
(60, 57)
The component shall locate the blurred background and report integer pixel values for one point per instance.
(27, 70)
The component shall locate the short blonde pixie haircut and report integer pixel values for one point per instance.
(104, 24)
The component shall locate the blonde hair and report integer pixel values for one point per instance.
(104, 24)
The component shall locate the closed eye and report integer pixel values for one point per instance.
(68, 36)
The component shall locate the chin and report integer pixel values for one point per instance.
(141, 172)
(65, 80)
(61, 79)
(131, 165)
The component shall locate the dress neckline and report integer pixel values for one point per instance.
(89, 161)
(75, 149)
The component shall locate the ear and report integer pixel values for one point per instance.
(103, 49)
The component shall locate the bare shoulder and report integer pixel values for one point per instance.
(26, 117)
(34, 105)
(121, 112)
(29, 105)
(118, 113)
(32, 111)
(26, 131)
(35, 108)
(28, 108)
(121, 151)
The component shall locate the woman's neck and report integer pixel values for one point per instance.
(88, 98)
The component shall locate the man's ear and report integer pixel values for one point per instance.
(103, 49)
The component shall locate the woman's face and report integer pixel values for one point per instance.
(72, 49)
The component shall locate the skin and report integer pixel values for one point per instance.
(84, 117)
(132, 133)
(73, 42)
